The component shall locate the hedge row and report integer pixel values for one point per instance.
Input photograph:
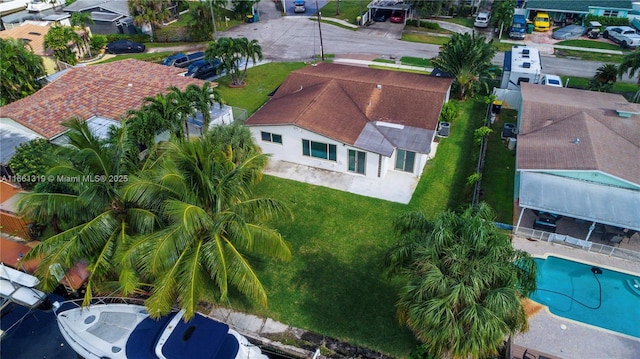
(608, 20)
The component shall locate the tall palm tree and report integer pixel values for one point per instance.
(231, 52)
(468, 58)
(631, 64)
(83, 19)
(249, 50)
(213, 227)
(170, 108)
(464, 282)
(20, 70)
(150, 12)
(201, 99)
(86, 203)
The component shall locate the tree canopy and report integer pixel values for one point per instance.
(58, 39)
(463, 282)
(234, 54)
(468, 58)
(20, 70)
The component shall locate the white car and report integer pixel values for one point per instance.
(551, 80)
(482, 19)
(626, 36)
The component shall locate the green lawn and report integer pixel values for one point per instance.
(261, 81)
(156, 57)
(591, 44)
(618, 87)
(424, 29)
(424, 38)
(464, 21)
(588, 55)
(415, 61)
(349, 10)
(499, 170)
(334, 285)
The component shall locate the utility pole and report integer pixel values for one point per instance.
(320, 31)
(213, 19)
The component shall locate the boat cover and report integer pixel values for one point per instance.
(202, 338)
(142, 341)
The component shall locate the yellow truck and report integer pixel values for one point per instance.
(541, 22)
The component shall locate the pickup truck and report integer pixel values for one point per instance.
(518, 28)
(626, 36)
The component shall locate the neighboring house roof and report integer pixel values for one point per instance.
(569, 129)
(577, 6)
(376, 110)
(115, 6)
(106, 90)
(32, 35)
(11, 136)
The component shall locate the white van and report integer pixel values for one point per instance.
(482, 20)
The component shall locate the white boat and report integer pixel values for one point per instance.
(9, 7)
(18, 287)
(41, 5)
(119, 331)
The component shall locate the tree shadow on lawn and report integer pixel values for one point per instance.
(355, 304)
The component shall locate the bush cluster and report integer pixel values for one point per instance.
(135, 38)
(608, 20)
(426, 24)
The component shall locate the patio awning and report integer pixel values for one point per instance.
(592, 202)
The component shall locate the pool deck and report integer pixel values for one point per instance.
(569, 339)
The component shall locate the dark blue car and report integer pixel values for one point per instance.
(203, 69)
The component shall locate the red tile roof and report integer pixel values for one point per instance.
(107, 90)
(569, 129)
(337, 101)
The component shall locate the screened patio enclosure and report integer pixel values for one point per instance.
(588, 201)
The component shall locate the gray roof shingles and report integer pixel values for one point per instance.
(569, 129)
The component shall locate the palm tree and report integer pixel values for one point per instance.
(58, 39)
(231, 52)
(631, 64)
(151, 12)
(20, 69)
(86, 204)
(82, 20)
(201, 100)
(213, 226)
(468, 58)
(604, 78)
(168, 109)
(464, 282)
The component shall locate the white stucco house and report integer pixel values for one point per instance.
(352, 120)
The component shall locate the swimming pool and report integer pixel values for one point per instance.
(589, 294)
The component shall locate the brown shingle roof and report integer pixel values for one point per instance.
(337, 101)
(553, 118)
(33, 33)
(107, 90)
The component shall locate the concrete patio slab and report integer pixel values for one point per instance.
(395, 186)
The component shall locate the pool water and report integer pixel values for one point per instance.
(609, 300)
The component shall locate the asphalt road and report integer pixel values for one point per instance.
(296, 38)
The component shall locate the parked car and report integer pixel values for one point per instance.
(298, 6)
(397, 16)
(626, 36)
(124, 46)
(204, 69)
(569, 32)
(482, 20)
(381, 15)
(169, 60)
(187, 59)
(541, 22)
